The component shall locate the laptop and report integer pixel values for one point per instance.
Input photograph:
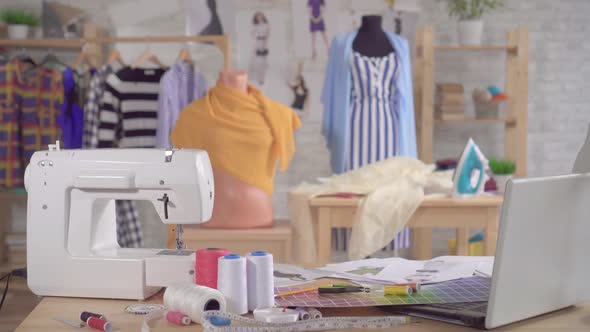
(541, 262)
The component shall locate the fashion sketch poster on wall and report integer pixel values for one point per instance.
(263, 48)
(316, 22)
(209, 17)
(313, 27)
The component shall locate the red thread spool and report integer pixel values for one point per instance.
(206, 266)
(87, 314)
(99, 324)
(178, 318)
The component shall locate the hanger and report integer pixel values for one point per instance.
(116, 56)
(83, 59)
(185, 56)
(148, 56)
(22, 56)
(50, 60)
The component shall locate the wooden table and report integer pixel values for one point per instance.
(461, 214)
(575, 319)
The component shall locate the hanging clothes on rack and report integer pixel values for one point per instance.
(128, 115)
(71, 118)
(179, 86)
(29, 109)
(129, 108)
(92, 106)
(11, 162)
(129, 234)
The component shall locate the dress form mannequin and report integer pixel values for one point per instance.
(371, 40)
(238, 204)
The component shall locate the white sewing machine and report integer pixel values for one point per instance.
(72, 247)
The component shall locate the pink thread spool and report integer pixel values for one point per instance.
(178, 318)
(206, 266)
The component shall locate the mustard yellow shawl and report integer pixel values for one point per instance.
(244, 134)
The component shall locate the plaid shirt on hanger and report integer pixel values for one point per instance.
(11, 167)
(42, 98)
(92, 107)
(129, 234)
(29, 108)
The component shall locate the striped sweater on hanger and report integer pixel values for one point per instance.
(129, 109)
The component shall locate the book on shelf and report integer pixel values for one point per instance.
(450, 87)
(450, 99)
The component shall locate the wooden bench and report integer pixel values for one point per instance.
(276, 240)
(462, 214)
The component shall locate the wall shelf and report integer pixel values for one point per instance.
(515, 122)
(504, 48)
(474, 120)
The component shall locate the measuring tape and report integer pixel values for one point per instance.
(320, 324)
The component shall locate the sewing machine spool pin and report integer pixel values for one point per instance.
(179, 243)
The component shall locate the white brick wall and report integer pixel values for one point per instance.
(558, 102)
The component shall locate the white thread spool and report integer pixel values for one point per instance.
(260, 280)
(314, 313)
(231, 282)
(303, 314)
(193, 300)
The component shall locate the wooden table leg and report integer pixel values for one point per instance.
(324, 235)
(491, 231)
(422, 243)
(462, 241)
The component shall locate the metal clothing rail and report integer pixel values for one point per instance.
(221, 41)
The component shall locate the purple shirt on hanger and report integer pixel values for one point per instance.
(181, 85)
(71, 117)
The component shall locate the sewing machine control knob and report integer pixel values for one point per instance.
(165, 199)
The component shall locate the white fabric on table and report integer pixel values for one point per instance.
(394, 189)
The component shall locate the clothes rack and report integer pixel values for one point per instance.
(95, 41)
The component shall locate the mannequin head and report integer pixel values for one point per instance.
(236, 79)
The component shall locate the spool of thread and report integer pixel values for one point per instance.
(415, 286)
(206, 266)
(231, 282)
(178, 318)
(314, 313)
(99, 324)
(260, 280)
(193, 300)
(87, 314)
(397, 290)
(303, 314)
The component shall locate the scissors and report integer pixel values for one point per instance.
(338, 289)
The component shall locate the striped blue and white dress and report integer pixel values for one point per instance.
(374, 119)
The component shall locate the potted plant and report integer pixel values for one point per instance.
(18, 22)
(502, 171)
(469, 13)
